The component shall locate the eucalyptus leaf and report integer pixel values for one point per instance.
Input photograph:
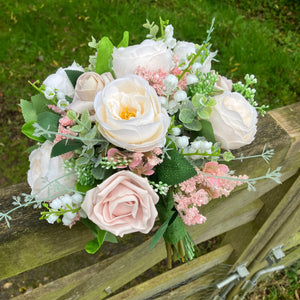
(195, 125)
(204, 113)
(109, 237)
(77, 128)
(27, 110)
(186, 115)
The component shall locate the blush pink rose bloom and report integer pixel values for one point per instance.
(122, 204)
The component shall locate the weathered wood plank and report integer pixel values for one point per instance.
(281, 213)
(177, 276)
(246, 214)
(57, 288)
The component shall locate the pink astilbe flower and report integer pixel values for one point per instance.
(56, 109)
(64, 127)
(155, 79)
(201, 188)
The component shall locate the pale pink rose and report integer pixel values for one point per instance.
(130, 115)
(233, 120)
(151, 55)
(122, 204)
(47, 176)
(223, 84)
(87, 86)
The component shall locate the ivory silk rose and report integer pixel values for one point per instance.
(45, 169)
(60, 80)
(130, 115)
(122, 204)
(87, 86)
(233, 120)
(151, 55)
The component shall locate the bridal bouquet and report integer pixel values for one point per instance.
(144, 131)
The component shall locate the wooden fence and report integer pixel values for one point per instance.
(247, 224)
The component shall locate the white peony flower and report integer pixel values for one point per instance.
(233, 120)
(151, 55)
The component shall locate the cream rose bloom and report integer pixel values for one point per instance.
(60, 80)
(130, 115)
(44, 169)
(233, 120)
(122, 204)
(87, 86)
(151, 55)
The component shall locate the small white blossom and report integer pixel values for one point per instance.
(176, 131)
(60, 95)
(180, 96)
(66, 200)
(49, 93)
(56, 204)
(77, 198)
(196, 67)
(52, 218)
(170, 82)
(191, 78)
(62, 104)
(169, 31)
(182, 63)
(182, 142)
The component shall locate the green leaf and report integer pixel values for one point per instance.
(90, 225)
(109, 237)
(186, 115)
(204, 112)
(101, 236)
(160, 232)
(125, 40)
(48, 121)
(27, 110)
(40, 103)
(174, 170)
(195, 125)
(104, 57)
(83, 188)
(73, 76)
(64, 146)
(198, 100)
(92, 246)
(28, 130)
(207, 131)
(162, 229)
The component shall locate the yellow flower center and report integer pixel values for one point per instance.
(126, 114)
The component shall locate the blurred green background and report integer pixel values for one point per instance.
(39, 36)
